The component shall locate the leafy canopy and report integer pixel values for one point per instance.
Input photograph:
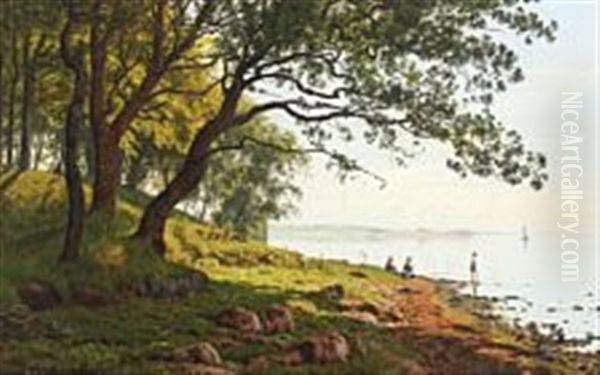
(396, 72)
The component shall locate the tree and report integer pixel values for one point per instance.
(251, 180)
(73, 58)
(124, 83)
(420, 71)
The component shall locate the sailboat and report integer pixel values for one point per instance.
(524, 235)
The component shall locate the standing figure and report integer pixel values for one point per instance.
(474, 273)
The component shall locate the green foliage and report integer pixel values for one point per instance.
(396, 72)
(247, 188)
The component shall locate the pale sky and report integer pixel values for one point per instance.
(428, 195)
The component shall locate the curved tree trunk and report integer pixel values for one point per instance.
(155, 215)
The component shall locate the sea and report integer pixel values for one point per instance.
(524, 274)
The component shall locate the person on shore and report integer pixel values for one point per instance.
(474, 273)
(389, 265)
(408, 269)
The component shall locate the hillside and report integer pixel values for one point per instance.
(120, 309)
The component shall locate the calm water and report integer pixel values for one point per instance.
(507, 266)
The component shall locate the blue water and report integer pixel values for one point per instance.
(507, 266)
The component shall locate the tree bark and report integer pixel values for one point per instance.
(27, 85)
(107, 172)
(155, 215)
(106, 147)
(1, 109)
(153, 221)
(12, 99)
(74, 229)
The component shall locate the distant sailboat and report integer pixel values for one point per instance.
(524, 235)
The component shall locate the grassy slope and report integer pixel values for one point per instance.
(129, 335)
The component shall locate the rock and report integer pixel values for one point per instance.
(577, 308)
(278, 319)
(39, 295)
(333, 292)
(168, 287)
(241, 319)
(324, 348)
(202, 352)
(551, 309)
(90, 297)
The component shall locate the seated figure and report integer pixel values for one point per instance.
(408, 269)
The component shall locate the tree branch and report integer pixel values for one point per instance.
(343, 162)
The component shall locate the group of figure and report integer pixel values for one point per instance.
(409, 272)
(407, 269)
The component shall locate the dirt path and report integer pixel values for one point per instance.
(449, 341)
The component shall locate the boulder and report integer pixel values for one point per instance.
(240, 319)
(324, 348)
(278, 319)
(202, 352)
(39, 295)
(168, 286)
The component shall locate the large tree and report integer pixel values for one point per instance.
(72, 54)
(395, 71)
(133, 45)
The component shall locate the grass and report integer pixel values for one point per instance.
(131, 336)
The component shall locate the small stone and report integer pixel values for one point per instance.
(278, 319)
(324, 348)
(241, 319)
(551, 309)
(39, 295)
(577, 308)
(202, 352)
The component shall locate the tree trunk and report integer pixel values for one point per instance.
(12, 98)
(40, 143)
(1, 109)
(28, 78)
(107, 172)
(104, 189)
(153, 221)
(74, 229)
